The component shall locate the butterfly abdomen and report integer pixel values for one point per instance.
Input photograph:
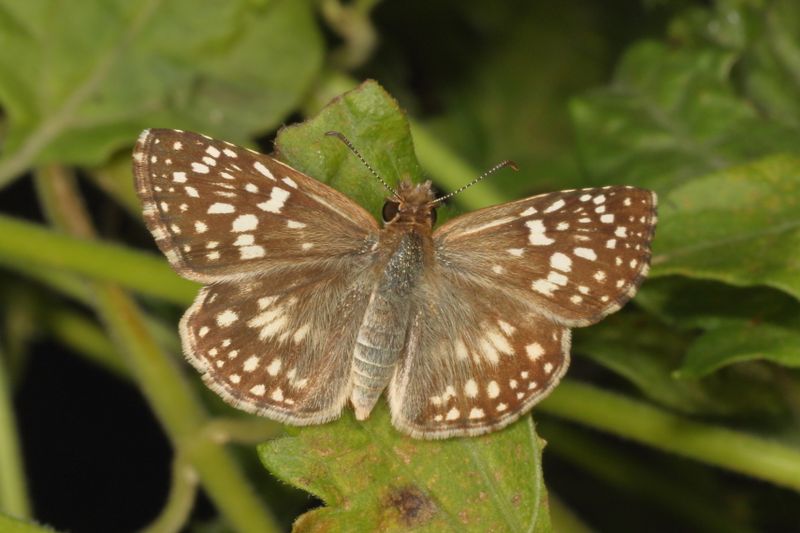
(382, 334)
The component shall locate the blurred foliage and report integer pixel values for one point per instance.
(697, 100)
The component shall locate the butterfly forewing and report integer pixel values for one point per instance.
(573, 256)
(221, 212)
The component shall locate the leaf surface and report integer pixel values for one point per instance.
(98, 72)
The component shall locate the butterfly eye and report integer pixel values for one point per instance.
(390, 209)
(432, 216)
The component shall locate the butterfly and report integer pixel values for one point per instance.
(309, 304)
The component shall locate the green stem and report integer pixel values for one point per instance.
(143, 272)
(158, 375)
(737, 451)
(13, 491)
(85, 337)
(451, 172)
(249, 430)
(658, 482)
(176, 405)
(180, 500)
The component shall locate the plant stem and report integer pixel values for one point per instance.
(181, 497)
(161, 380)
(143, 272)
(85, 337)
(248, 430)
(13, 491)
(658, 482)
(737, 451)
(451, 172)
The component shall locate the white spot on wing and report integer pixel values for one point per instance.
(245, 223)
(226, 318)
(250, 364)
(259, 166)
(252, 252)
(586, 253)
(534, 351)
(218, 208)
(476, 413)
(555, 206)
(200, 168)
(536, 235)
(277, 197)
(544, 286)
(561, 262)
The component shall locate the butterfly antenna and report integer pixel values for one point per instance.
(352, 148)
(498, 166)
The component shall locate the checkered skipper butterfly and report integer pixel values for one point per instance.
(309, 304)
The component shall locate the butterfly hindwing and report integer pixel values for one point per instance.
(475, 361)
(220, 212)
(280, 346)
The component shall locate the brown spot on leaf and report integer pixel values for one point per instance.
(412, 505)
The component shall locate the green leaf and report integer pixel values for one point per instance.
(735, 343)
(689, 304)
(98, 74)
(772, 76)
(740, 324)
(373, 479)
(740, 226)
(646, 353)
(375, 124)
(671, 115)
(766, 38)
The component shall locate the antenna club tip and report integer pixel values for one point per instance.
(333, 133)
(512, 164)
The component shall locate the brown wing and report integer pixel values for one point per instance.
(573, 256)
(475, 361)
(220, 212)
(280, 346)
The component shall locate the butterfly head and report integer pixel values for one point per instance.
(411, 205)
